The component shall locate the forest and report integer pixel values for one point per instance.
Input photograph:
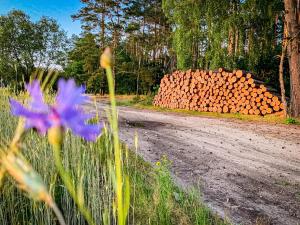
(152, 38)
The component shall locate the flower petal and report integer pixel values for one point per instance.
(87, 131)
(37, 101)
(17, 109)
(40, 122)
(69, 95)
(75, 119)
(33, 119)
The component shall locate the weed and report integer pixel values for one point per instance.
(291, 120)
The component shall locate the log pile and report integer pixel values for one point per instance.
(217, 91)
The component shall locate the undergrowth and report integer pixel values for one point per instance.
(155, 199)
(145, 102)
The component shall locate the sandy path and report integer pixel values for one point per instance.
(246, 171)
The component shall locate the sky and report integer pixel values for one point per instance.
(60, 10)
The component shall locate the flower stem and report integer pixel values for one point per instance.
(117, 152)
(58, 213)
(67, 180)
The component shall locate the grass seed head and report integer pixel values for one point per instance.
(27, 179)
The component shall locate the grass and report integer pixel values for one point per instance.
(155, 199)
(145, 102)
(292, 121)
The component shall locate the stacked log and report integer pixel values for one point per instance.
(217, 91)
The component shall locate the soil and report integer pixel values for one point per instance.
(247, 172)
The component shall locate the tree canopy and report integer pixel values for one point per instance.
(161, 36)
(150, 38)
(231, 34)
(27, 45)
(138, 33)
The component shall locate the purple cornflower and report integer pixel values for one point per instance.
(66, 112)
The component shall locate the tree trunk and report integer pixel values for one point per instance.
(102, 35)
(231, 31)
(293, 29)
(236, 46)
(281, 79)
(138, 78)
(250, 40)
(155, 39)
(275, 31)
(230, 42)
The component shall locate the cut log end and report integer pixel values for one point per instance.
(217, 91)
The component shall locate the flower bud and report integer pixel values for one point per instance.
(105, 60)
(55, 136)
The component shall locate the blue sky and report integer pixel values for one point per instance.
(61, 10)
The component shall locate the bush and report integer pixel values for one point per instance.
(145, 101)
(291, 120)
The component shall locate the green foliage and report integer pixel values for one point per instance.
(141, 56)
(97, 83)
(291, 120)
(148, 39)
(143, 101)
(83, 64)
(187, 19)
(155, 199)
(231, 34)
(164, 191)
(75, 70)
(26, 45)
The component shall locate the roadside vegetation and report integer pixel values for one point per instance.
(154, 197)
(145, 102)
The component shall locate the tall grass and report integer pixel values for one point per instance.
(121, 182)
(155, 199)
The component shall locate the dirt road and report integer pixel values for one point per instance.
(246, 171)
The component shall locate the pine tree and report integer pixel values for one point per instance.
(292, 9)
